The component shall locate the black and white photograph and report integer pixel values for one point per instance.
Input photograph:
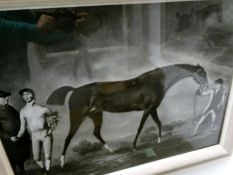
(93, 90)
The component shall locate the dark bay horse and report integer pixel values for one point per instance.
(143, 93)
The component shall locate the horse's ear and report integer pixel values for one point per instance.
(199, 68)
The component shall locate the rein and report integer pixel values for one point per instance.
(194, 105)
(195, 99)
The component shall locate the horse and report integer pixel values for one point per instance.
(143, 93)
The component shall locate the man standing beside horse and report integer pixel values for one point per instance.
(17, 152)
(215, 106)
(41, 121)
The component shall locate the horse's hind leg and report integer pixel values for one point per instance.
(97, 118)
(75, 121)
(155, 117)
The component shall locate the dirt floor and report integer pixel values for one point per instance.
(177, 138)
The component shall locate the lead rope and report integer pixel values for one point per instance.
(194, 105)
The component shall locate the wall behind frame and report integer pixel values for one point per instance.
(221, 166)
(22, 4)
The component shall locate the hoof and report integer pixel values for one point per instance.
(159, 140)
(93, 109)
(134, 147)
(62, 161)
(194, 134)
(108, 148)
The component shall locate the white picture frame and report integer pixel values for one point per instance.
(224, 148)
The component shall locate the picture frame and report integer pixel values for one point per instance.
(225, 144)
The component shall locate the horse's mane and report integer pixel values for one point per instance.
(166, 69)
(160, 71)
(188, 67)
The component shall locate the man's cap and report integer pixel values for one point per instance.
(4, 94)
(26, 90)
(219, 81)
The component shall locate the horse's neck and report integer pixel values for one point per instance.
(175, 74)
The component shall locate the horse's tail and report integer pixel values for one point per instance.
(57, 97)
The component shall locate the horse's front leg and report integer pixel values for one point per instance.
(155, 117)
(143, 120)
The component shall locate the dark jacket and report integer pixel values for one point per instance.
(9, 126)
(9, 122)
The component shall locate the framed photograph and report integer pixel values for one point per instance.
(114, 87)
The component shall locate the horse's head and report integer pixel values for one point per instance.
(200, 76)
